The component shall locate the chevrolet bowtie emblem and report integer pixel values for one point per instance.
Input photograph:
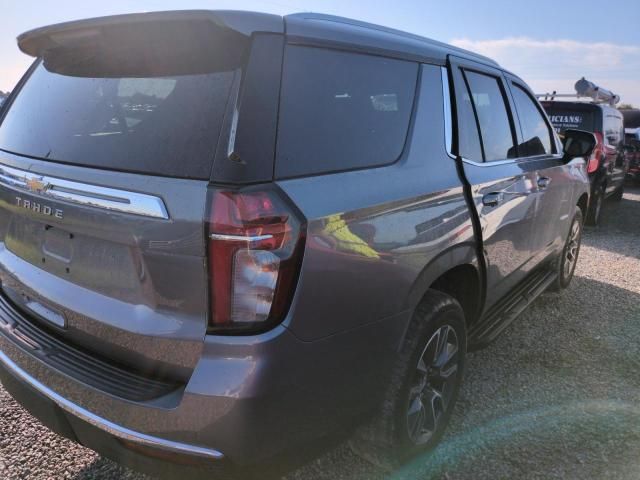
(37, 185)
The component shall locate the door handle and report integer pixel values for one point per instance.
(543, 182)
(492, 199)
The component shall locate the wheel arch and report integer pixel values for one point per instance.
(456, 272)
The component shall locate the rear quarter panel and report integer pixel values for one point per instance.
(371, 233)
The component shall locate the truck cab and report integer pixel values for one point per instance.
(609, 164)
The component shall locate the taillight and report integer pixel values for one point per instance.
(256, 241)
(596, 155)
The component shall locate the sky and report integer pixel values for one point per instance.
(549, 43)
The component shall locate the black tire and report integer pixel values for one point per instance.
(386, 441)
(617, 195)
(566, 263)
(594, 214)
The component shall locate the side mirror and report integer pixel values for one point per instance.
(578, 143)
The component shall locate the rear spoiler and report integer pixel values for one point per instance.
(149, 44)
(97, 30)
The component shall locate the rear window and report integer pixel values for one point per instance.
(342, 111)
(567, 118)
(165, 125)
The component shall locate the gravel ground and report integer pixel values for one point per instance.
(555, 397)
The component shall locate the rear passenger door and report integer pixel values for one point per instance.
(502, 189)
(539, 150)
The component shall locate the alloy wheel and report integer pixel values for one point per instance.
(572, 249)
(433, 386)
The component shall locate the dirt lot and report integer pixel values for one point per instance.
(557, 396)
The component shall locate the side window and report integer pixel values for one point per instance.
(535, 130)
(468, 139)
(341, 110)
(491, 110)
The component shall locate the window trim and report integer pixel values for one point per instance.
(448, 115)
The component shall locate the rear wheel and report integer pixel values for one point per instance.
(566, 264)
(595, 207)
(424, 386)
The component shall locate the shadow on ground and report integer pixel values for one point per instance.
(555, 397)
(103, 469)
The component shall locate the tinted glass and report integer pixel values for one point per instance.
(564, 118)
(613, 128)
(341, 111)
(495, 129)
(535, 131)
(468, 138)
(160, 125)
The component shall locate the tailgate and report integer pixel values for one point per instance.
(106, 154)
(117, 269)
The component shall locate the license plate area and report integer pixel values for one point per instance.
(92, 262)
(58, 244)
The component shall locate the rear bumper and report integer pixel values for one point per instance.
(118, 431)
(248, 400)
(184, 426)
(113, 441)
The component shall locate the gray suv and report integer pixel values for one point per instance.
(225, 234)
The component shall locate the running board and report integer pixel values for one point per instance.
(500, 316)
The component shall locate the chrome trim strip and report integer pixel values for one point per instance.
(238, 238)
(83, 193)
(512, 160)
(105, 425)
(494, 163)
(446, 97)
